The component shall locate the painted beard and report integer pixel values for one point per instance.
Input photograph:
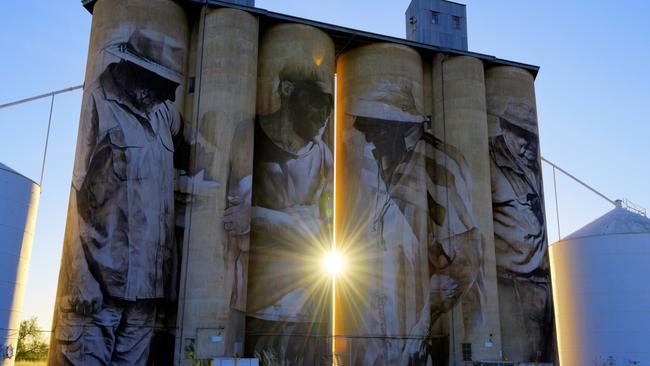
(309, 121)
(145, 99)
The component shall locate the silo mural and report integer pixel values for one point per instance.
(525, 296)
(460, 119)
(288, 297)
(199, 235)
(120, 253)
(408, 225)
(212, 303)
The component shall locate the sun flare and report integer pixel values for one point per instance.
(333, 263)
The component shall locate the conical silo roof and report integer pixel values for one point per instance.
(8, 169)
(615, 222)
(5, 167)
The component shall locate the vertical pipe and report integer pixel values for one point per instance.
(212, 302)
(459, 118)
(427, 87)
(336, 358)
(119, 250)
(289, 295)
(525, 296)
(557, 207)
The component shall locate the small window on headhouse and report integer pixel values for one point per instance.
(414, 23)
(467, 351)
(435, 17)
(455, 22)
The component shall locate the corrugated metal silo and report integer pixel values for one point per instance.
(18, 206)
(601, 283)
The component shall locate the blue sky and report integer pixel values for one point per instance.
(592, 94)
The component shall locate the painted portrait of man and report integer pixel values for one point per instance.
(121, 256)
(520, 231)
(292, 180)
(424, 247)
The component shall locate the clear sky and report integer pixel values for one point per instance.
(593, 95)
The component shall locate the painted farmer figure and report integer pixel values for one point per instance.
(520, 233)
(124, 257)
(292, 182)
(423, 244)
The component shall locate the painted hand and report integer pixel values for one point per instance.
(237, 217)
(197, 185)
(85, 298)
(445, 292)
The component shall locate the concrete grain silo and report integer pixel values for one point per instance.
(213, 298)
(423, 151)
(370, 79)
(460, 118)
(602, 296)
(129, 40)
(19, 197)
(520, 239)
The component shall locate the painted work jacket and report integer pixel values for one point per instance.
(288, 232)
(519, 224)
(425, 246)
(124, 185)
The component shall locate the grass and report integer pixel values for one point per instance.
(30, 363)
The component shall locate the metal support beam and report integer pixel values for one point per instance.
(50, 94)
(557, 207)
(613, 202)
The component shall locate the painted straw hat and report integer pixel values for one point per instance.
(521, 115)
(152, 51)
(388, 101)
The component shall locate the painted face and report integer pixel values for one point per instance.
(146, 98)
(387, 136)
(149, 89)
(521, 142)
(310, 109)
(379, 133)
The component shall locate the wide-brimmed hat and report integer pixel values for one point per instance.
(152, 51)
(295, 50)
(522, 115)
(388, 101)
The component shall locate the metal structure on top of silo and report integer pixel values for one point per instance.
(19, 197)
(437, 22)
(602, 294)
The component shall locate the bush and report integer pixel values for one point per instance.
(31, 343)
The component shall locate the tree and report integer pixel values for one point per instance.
(31, 346)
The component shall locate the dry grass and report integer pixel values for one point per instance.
(28, 363)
